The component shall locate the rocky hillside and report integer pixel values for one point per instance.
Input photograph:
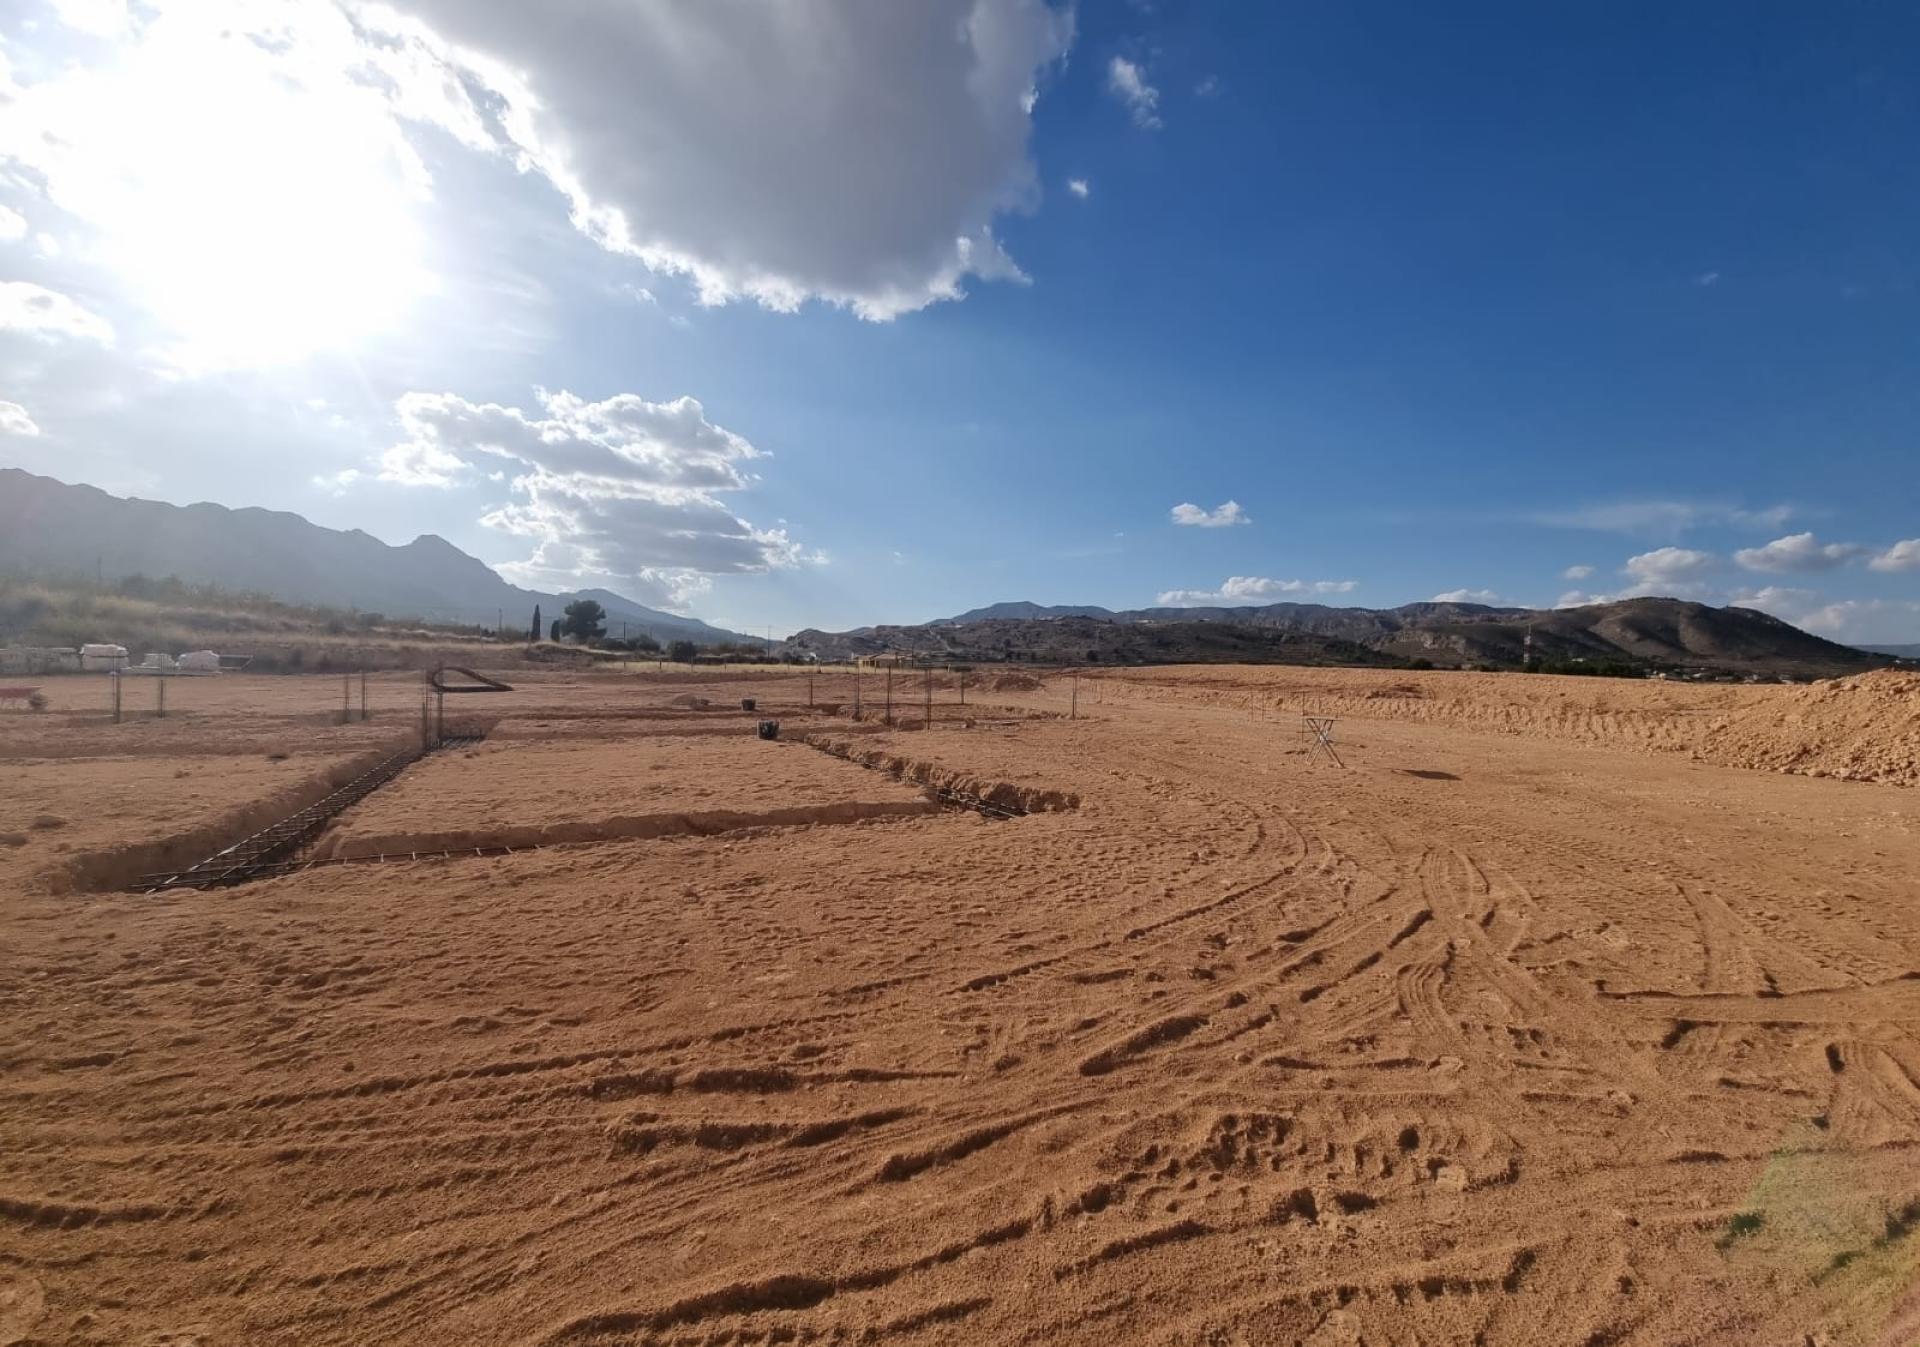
(1645, 633)
(53, 530)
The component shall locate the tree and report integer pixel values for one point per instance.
(554, 631)
(584, 620)
(682, 651)
(533, 632)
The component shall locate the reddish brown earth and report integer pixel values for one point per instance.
(1524, 1027)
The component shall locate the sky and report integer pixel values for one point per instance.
(821, 313)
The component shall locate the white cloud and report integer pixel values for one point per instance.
(1660, 517)
(1225, 516)
(1576, 572)
(1669, 565)
(1798, 552)
(1241, 590)
(856, 155)
(1707, 278)
(100, 18)
(623, 492)
(13, 225)
(1467, 596)
(1575, 598)
(15, 421)
(1080, 187)
(1902, 556)
(1127, 82)
(1884, 621)
(49, 315)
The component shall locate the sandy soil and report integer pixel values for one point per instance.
(1493, 1036)
(523, 794)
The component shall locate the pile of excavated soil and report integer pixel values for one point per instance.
(1864, 728)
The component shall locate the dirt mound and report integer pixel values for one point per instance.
(1016, 682)
(689, 701)
(1864, 728)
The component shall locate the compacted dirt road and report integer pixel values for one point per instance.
(1487, 1037)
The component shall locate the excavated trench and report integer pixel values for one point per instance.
(994, 799)
(296, 840)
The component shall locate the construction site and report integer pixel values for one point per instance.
(1187, 1005)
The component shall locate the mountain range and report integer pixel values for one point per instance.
(1646, 632)
(50, 528)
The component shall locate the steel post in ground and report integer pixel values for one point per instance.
(1073, 709)
(856, 694)
(363, 694)
(809, 690)
(929, 720)
(114, 674)
(346, 698)
(160, 697)
(889, 716)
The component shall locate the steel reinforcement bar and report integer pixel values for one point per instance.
(263, 853)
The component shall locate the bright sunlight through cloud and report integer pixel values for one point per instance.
(257, 198)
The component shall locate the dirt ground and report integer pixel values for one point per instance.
(1527, 1026)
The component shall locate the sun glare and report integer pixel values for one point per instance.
(259, 201)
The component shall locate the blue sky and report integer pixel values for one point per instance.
(1443, 299)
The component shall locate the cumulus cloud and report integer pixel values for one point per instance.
(1240, 590)
(1223, 516)
(49, 315)
(1576, 572)
(1887, 621)
(1577, 598)
(13, 225)
(854, 154)
(1080, 187)
(1798, 552)
(1467, 596)
(623, 492)
(15, 421)
(1127, 82)
(1902, 556)
(1669, 565)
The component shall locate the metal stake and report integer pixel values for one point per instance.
(114, 674)
(160, 687)
(929, 722)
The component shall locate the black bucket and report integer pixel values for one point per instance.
(769, 729)
(748, 704)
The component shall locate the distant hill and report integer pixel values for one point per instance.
(1897, 651)
(50, 528)
(1647, 633)
(1021, 611)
